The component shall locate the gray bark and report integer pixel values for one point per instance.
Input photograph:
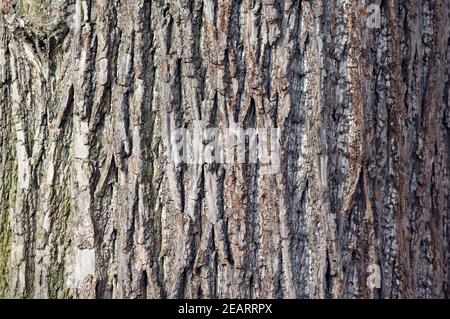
(91, 206)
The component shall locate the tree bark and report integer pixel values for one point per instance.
(92, 206)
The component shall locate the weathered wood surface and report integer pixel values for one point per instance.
(92, 206)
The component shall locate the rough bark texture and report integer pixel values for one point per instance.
(91, 205)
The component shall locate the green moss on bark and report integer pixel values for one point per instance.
(7, 202)
(5, 254)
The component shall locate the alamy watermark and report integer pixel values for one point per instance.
(373, 16)
(231, 145)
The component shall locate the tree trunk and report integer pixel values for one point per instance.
(93, 204)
